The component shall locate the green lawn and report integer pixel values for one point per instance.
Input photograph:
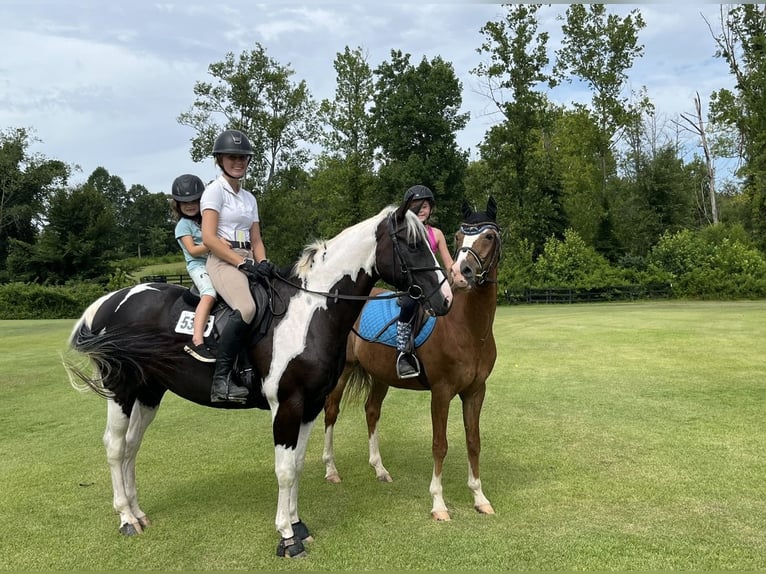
(615, 437)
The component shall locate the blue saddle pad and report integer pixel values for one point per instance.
(377, 313)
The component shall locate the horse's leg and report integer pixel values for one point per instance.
(287, 425)
(440, 403)
(372, 406)
(300, 530)
(331, 412)
(122, 439)
(472, 403)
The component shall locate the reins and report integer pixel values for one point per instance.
(413, 291)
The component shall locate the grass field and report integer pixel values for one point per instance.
(615, 437)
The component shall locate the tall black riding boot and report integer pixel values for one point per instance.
(224, 389)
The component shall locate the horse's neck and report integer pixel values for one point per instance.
(349, 254)
(343, 266)
(474, 310)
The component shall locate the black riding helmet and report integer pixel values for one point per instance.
(232, 142)
(418, 192)
(187, 187)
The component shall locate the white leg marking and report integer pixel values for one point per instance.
(480, 502)
(328, 456)
(375, 460)
(122, 439)
(284, 467)
(439, 510)
(288, 466)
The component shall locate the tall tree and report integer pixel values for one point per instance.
(26, 183)
(742, 45)
(255, 94)
(78, 241)
(523, 179)
(599, 49)
(416, 115)
(147, 224)
(696, 124)
(344, 175)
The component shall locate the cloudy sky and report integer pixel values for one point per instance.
(102, 82)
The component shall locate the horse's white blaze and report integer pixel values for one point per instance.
(329, 266)
(468, 241)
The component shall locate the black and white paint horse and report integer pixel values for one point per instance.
(136, 356)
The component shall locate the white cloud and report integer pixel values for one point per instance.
(102, 83)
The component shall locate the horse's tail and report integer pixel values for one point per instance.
(120, 355)
(358, 385)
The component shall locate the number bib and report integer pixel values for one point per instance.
(186, 323)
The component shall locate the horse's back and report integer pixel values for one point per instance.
(146, 302)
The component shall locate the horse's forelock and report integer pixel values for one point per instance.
(416, 231)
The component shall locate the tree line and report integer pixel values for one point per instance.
(587, 193)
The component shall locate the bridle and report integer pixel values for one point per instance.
(486, 265)
(413, 291)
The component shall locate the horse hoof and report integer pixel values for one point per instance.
(144, 522)
(291, 548)
(485, 509)
(301, 532)
(441, 516)
(128, 529)
(333, 478)
(385, 478)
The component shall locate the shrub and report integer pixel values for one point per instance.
(33, 301)
(710, 264)
(572, 263)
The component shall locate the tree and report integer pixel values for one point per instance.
(742, 45)
(148, 226)
(521, 177)
(416, 118)
(26, 182)
(254, 93)
(78, 241)
(599, 48)
(697, 126)
(343, 180)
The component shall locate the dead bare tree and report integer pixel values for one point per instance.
(696, 125)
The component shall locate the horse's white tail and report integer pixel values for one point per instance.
(86, 369)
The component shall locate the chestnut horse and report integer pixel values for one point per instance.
(137, 355)
(456, 359)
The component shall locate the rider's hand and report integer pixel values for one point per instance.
(265, 269)
(248, 268)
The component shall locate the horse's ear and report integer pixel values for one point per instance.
(401, 212)
(492, 208)
(466, 209)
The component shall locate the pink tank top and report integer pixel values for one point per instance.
(432, 238)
